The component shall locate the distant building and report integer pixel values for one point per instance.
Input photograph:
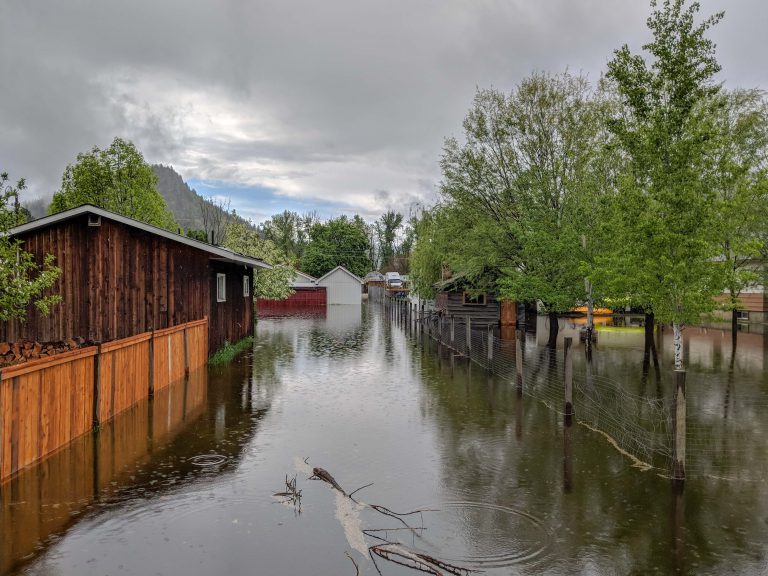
(459, 297)
(342, 287)
(121, 277)
(754, 305)
(307, 297)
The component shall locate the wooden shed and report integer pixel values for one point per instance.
(458, 297)
(342, 287)
(121, 277)
(307, 298)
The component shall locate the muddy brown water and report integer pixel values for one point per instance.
(184, 484)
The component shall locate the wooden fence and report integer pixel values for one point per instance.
(43, 500)
(46, 403)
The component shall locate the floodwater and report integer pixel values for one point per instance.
(185, 484)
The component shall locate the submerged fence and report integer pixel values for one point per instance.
(46, 403)
(639, 421)
(92, 468)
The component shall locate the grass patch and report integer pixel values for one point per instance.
(228, 352)
(619, 328)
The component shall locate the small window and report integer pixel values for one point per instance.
(473, 299)
(246, 286)
(742, 314)
(221, 287)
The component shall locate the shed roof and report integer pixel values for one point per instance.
(324, 276)
(216, 252)
(302, 280)
(374, 276)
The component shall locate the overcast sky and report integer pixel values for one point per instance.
(340, 106)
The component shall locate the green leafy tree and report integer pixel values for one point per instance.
(198, 235)
(740, 179)
(116, 179)
(430, 253)
(272, 284)
(386, 228)
(523, 184)
(338, 242)
(666, 221)
(22, 281)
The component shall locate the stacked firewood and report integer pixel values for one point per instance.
(25, 350)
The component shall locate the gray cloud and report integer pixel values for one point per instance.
(337, 101)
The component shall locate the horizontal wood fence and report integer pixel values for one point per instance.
(46, 403)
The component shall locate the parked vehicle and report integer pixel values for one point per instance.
(394, 280)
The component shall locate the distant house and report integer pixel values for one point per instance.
(342, 287)
(458, 296)
(307, 297)
(375, 278)
(121, 277)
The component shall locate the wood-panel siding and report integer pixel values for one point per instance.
(118, 281)
(750, 301)
(232, 320)
(452, 303)
(46, 403)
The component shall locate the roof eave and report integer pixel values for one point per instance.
(220, 254)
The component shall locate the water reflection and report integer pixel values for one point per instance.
(188, 434)
(604, 512)
(189, 483)
(343, 333)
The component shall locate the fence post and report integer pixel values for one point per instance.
(453, 331)
(440, 328)
(567, 459)
(152, 364)
(469, 335)
(568, 362)
(490, 346)
(678, 419)
(186, 353)
(519, 362)
(96, 387)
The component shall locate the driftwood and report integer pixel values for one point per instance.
(399, 554)
(393, 551)
(290, 495)
(357, 568)
(325, 476)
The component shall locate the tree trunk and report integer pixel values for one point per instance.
(734, 322)
(648, 346)
(590, 313)
(553, 330)
(678, 345)
(649, 324)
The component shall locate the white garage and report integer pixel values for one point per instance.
(342, 287)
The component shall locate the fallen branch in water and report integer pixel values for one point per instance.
(393, 551)
(325, 476)
(357, 568)
(398, 554)
(291, 495)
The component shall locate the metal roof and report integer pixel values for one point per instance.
(216, 252)
(324, 276)
(374, 276)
